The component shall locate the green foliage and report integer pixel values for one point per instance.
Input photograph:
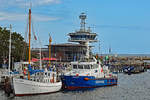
(18, 45)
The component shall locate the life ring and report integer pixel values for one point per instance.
(52, 80)
(24, 71)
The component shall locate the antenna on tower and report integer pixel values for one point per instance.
(30, 4)
(82, 17)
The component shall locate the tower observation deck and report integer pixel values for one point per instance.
(83, 36)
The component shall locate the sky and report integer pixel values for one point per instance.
(122, 25)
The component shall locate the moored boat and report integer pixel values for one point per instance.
(39, 83)
(87, 75)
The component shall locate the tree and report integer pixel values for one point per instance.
(18, 45)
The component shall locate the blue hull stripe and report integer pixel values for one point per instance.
(87, 82)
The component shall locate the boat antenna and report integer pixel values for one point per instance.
(110, 50)
(50, 41)
(9, 50)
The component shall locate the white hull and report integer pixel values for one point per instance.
(26, 87)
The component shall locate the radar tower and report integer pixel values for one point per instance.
(83, 36)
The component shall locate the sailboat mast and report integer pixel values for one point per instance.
(9, 51)
(50, 41)
(29, 35)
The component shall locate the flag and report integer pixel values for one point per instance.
(35, 37)
(50, 39)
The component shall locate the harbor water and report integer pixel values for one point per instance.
(130, 87)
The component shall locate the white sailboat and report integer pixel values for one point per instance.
(41, 83)
(36, 81)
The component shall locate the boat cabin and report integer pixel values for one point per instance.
(45, 77)
(84, 66)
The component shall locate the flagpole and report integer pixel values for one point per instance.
(9, 51)
(40, 55)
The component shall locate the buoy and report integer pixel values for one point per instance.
(77, 74)
(86, 79)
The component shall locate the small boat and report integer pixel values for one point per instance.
(128, 69)
(133, 69)
(36, 81)
(88, 74)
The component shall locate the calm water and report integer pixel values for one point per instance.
(133, 87)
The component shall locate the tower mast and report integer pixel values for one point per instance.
(82, 17)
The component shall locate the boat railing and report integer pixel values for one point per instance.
(88, 60)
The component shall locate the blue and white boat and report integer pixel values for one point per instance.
(88, 74)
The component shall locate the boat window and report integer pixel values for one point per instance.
(86, 66)
(95, 66)
(45, 73)
(92, 67)
(48, 74)
(80, 67)
(74, 66)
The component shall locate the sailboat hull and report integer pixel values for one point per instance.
(24, 87)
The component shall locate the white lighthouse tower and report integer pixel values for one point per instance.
(83, 36)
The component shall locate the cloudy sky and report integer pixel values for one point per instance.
(123, 25)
